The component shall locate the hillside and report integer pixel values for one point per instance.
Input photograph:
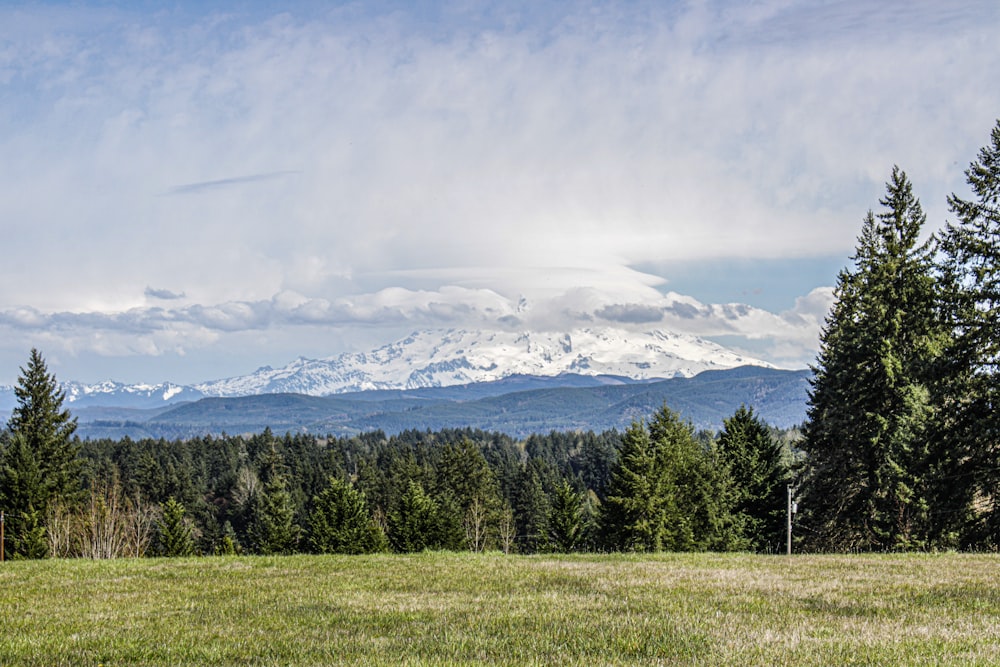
(516, 406)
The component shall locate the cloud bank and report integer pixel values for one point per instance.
(155, 330)
(298, 180)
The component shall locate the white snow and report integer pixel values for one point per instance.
(171, 391)
(435, 358)
(456, 356)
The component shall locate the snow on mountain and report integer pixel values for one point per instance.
(433, 358)
(438, 359)
(110, 393)
(128, 395)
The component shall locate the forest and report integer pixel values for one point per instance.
(447, 490)
(899, 451)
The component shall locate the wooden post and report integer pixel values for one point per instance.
(1, 535)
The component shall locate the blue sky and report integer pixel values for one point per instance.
(193, 190)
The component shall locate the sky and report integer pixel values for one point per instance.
(192, 190)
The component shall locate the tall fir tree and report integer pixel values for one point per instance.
(272, 528)
(968, 495)
(633, 515)
(667, 491)
(40, 463)
(759, 475)
(414, 524)
(865, 485)
(463, 472)
(340, 523)
(567, 521)
(531, 511)
(467, 489)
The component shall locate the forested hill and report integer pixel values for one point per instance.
(515, 407)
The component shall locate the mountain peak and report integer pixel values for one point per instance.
(435, 358)
(440, 358)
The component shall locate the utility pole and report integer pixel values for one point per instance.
(1, 535)
(792, 507)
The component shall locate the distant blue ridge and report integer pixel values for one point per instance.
(517, 405)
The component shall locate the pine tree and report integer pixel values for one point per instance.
(413, 526)
(463, 472)
(567, 526)
(22, 488)
(759, 476)
(468, 495)
(340, 522)
(598, 454)
(531, 512)
(968, 497)
(865, 483)
(30, 540)
(633, 516)
(272, 528)
(40, 458)
(174, 536)
(700, 493)
(228, 544)
(450, 533)
(666, 492)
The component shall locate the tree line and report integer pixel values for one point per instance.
(452, 489)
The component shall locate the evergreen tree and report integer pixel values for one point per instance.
(340, 522)
(699, 492)
(633, 516)
(272, 528)
(666, 492)
(174, 536)
(413, 526)
(450, 531)
(967, 499)
(468, 495)
(40, 463)
(597, 457)
(567, 525)
(228, 544)
(531, 512)
(22, 488)
(870, 405)
(30, 539)
(759, 477)
(463, 471)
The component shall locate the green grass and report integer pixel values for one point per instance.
(438, 609)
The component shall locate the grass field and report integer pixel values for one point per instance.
(438, 609)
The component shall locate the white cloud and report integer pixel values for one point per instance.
(161, 331)
(373, 169)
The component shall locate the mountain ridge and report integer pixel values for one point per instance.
(778, 396)
(459, 356)
(437, 358)
(510, 381)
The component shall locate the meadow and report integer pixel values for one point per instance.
(463, 608)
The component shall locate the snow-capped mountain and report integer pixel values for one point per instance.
(110, 393)
(435, 359)
(438, 359)
(128, 395)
